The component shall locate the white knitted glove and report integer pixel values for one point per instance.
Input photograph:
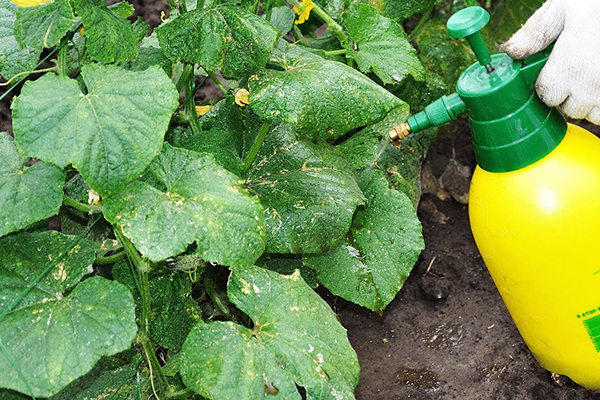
(571, 77)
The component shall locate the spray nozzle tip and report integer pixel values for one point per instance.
(399, 132)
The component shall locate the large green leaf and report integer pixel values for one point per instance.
(110, 37)
(110, 134)
(43, 26)
(13, 59)
(322, 99)
(398, 10)
(296, 340)
(383, 246)
(309, 193)
(201, 202)
(221, 144)
(507, 16)
(224, 38)
(27, 194)
(55, 338)
(380, 45)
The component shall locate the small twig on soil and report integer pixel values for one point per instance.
(430, 265)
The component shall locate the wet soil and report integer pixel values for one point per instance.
(447, 335)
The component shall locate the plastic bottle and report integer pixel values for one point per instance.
(534, 203)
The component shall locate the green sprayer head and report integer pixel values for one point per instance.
(510, 125)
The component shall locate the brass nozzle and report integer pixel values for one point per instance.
(399, 132)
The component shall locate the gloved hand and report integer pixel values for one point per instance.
(571, 77)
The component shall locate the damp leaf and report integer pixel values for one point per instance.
(56, 337)
(110, 134)
(322, 99)
(197, 201)
(379, 45)
(224, 38)
(296, 340)
(109, 36)
(13, 59)
(43, 26)
(309, 192)
(385, 241)
(27, 193)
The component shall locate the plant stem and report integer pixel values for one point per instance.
(110, 259)
(88, 208)
(26, 73)
(63, 70)
(185, 75)
(209, 286)
(422, 22)
(331, 25)
(142, 272)
(335, 52)
(218, 82)
(260, 138)
(190, 105)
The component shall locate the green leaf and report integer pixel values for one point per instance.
(220, 144)
(296, 340)
(398, 10)
(123, 9)
(173, 312)
(240, 122)
(202, 203)
(282, 18)
(13, 59)
(111, 134)
(27, 194)
(110, 37)
(322, 99)
(309, 192)
(223, 38)
(24, 256)
(380, 45)
(442, 55)
(333, 8)
(113, 378)
(228, 132)
(382, 248)
(508, 16)
(43, 26)
(53, 337)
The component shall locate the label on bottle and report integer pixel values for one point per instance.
(591, 322)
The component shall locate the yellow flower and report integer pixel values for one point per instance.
(201, 110)
(241, 97)
(303, 10)
(30, 3)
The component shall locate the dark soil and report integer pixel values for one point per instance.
(447, 335)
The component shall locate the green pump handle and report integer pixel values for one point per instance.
(467, 23)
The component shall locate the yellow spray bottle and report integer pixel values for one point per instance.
(534, 203)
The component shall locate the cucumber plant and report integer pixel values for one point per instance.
(187, 238)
